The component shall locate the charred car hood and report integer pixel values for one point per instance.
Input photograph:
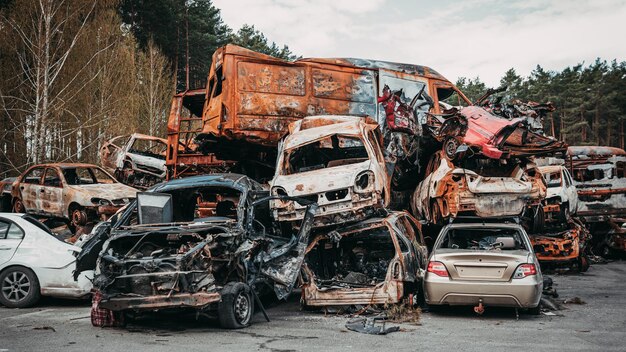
(499, 185)
(109, 191)
(322, 180)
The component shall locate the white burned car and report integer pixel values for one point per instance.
(561, 197)
(336, 161)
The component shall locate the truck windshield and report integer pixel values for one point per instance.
(332, 151)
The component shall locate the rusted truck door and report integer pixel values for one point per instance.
(30, 189)
(52, 195)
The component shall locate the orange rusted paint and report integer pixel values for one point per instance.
(254, 97)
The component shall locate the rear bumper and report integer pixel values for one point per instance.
(181, 300)
(522, 293)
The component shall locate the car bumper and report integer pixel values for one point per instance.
(522, 293)
(181, 300)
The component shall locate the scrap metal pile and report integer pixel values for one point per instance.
(334, 174)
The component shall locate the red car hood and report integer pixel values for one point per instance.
(497, 137)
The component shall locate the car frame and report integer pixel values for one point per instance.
(34, 263)
(446, 192)
(212, 264)
(480, 285)
(58, 198)
(403, 275)
(130, 166)
(344, 192)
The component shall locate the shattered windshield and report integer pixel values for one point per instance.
(483, 239)
(86, 176)
(149, 147)
(332, 151)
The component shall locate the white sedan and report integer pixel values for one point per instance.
(34, 263)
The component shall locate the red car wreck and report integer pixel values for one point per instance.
(490, 135)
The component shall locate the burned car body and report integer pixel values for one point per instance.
(564, 248)
(561, 196)
(80, 193)
(335, 161)
(478, 187)
(206, 243)
(137, 160)
(489, 135)
(600, 178)
(376, 261)
(6, 188)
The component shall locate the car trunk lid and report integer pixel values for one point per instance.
(494, 265)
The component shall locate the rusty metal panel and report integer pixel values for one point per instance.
(275, 79)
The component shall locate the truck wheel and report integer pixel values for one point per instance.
(236, 307)
(19, 287)
(18, 206)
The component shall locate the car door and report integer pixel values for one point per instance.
(11, 236)
(30, 189)
(52, 195)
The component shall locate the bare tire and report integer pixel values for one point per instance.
(236, 307)
(18, 206)
(19, 287)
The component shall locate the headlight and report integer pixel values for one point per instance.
(279, 191)
(101, 201)
(364, 181)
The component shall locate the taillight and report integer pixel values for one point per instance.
(437, 268)
(525, 270)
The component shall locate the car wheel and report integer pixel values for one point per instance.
(19, 287)
(583, 263)
(79, 216)
(236, 307)
(450, 147)
(18, 206)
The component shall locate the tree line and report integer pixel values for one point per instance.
(74, 73)
(590, 100)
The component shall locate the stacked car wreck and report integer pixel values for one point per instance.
(339, 175)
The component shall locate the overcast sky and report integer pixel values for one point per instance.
(457, 38)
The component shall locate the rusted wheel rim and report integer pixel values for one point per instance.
(79, 217)
(242, 308)
(18, 207)
(16, 286)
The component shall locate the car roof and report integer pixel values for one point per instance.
(12, 216)
(66, 165)
(484, 225)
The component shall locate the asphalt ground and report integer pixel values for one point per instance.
(598, 324)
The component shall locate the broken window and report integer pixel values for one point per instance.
(86, 176)
(52, 178)
(483, 239)
(450, 96)
(149, 147)
(336, 150)
(33, 176)
(553, 179)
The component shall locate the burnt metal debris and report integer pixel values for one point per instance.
(334, 175)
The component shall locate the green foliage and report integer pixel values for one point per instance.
(251, 38)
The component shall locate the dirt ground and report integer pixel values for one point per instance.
(599, 324)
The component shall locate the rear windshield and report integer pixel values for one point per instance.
(483, 239)
(335, 150)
